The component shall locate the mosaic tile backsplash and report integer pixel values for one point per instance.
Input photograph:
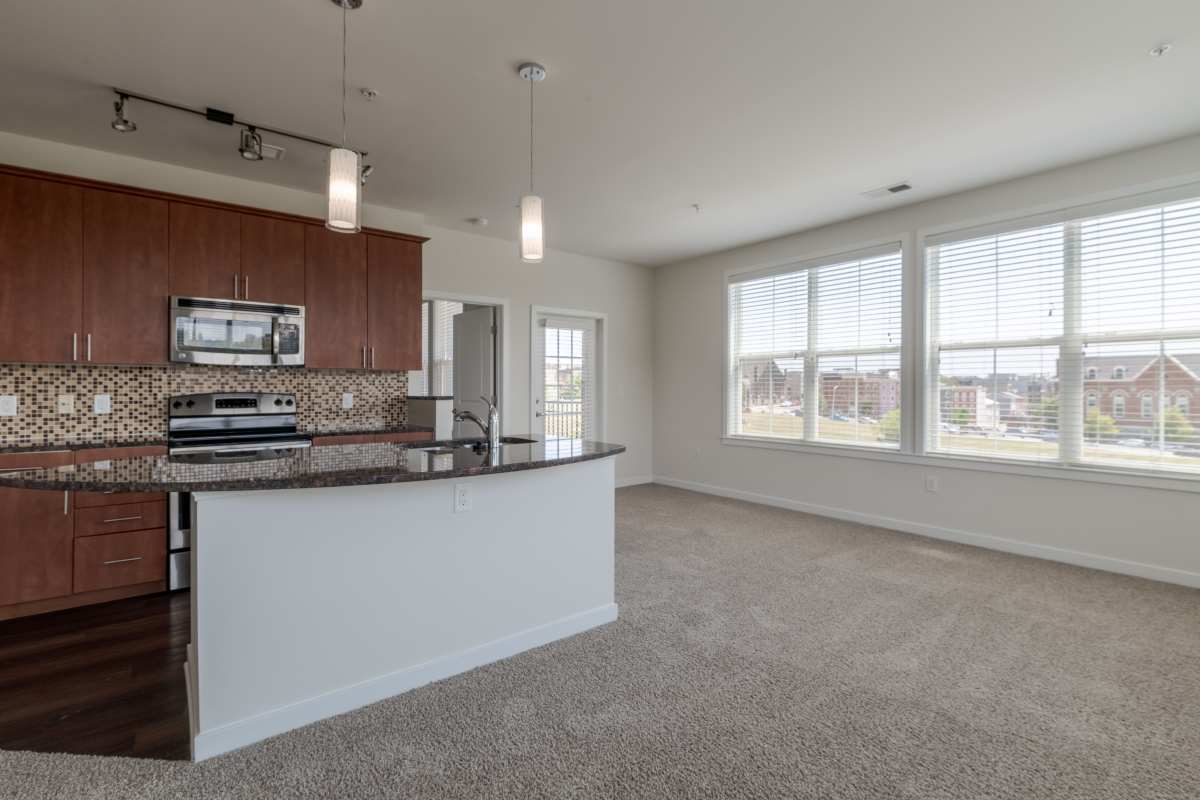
(139, 399)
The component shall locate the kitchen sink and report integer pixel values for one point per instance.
(470, 444)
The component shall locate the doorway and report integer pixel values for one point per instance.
(567, 373)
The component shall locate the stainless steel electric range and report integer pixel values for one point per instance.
(219, 428)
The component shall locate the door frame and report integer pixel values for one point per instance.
(537, 376)
(501, 305)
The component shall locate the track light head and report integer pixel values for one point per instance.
(251, 147)
(121, 123)
(366, 173)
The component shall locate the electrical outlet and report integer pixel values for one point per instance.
(8, 405)
(931, 483)
(347, 400)
(462, 498)
(102, 404)
(66, 404)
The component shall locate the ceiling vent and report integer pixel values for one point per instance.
(886, 191)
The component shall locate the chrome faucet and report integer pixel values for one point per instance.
(492, 429)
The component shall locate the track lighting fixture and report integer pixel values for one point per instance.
(121, 122)
(251, 147)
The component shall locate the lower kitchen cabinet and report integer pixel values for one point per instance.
(60, 550)
(36, 535)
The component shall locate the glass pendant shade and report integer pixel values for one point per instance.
(532, 242)
(345, 191)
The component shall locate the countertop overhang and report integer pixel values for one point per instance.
(316, 467)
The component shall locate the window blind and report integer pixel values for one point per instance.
(814, 351)
(441, 364)
(1075, 342)
(418, 379)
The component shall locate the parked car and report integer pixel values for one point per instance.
(839, 417)
(1132, 442)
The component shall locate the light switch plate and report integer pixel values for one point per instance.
(8, 405)
(102, 404)
(66, 404)
(347, 400)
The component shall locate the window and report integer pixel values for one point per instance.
(814, 351)
(436, 376)
(1183, 403)
(1118, 405)
(1028, 316)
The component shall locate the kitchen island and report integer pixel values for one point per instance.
(341, 575)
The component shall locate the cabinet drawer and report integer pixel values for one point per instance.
(124, 517)
(94, 499)
(120, 559)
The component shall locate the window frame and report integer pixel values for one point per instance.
(915, 360)
(811, 261)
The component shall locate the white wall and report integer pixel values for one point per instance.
(1145, 531)
(454, 262)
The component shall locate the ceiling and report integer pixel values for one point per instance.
(771, 116)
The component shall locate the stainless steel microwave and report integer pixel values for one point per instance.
(209, 331)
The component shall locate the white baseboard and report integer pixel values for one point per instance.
(1048, 552)
(634, 480)
(279, 720)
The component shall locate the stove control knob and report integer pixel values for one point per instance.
(290, 403)
(177, 404)
(278, 402)
(191, 403)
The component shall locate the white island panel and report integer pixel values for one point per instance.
(311, 602)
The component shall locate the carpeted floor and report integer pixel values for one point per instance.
(765, 653)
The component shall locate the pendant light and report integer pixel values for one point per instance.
(345, 184)
(532, 234)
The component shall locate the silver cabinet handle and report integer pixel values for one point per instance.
(364, 356)
(123, 519)
(372, 358)
(89, 347)
(235, 286)
(122, 560)
(75, 346)
(66, 502)
(245, 287)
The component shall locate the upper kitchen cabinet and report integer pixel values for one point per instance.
(393, 303)
(272, 260)
(335, 288)
(124, 278)
(41, 270)
(205, 252)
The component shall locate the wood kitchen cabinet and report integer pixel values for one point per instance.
(272, 260)
(335, 290)
(36, 535)
(205, 251)
(124, 279)
(41, 270)
(393, 303)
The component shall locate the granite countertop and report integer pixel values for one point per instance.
(332, 465)
(54, 448)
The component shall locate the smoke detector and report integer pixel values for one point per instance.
(889, 190)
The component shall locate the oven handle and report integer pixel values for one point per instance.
(295, 445)
(275, 339)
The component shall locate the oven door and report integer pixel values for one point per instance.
(205, 331)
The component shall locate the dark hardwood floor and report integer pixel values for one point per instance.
(102, 680)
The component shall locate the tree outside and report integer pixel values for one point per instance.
(1176, 428)
(1099, 427)
(889, 426)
